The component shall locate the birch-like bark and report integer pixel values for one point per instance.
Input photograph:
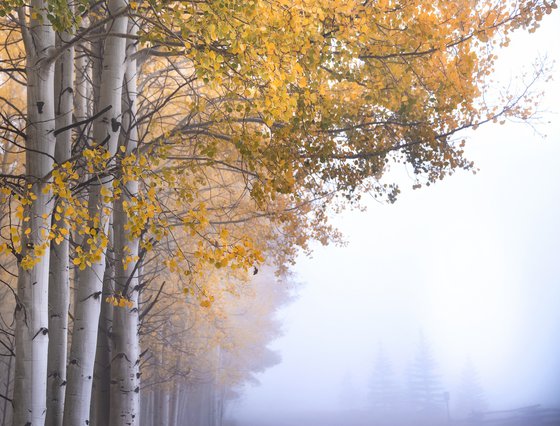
(218, 404)
(125, 374)
(82, 110)
(32, 309)
(86, 53)
(147, 408)
(82, 86)
(59, 284)
(219, 390)
(182, 409)
(86, 56)
(6, 309)
(211, 403)
(174, 405)
(106, 130)
(101, 373)
(163, 403)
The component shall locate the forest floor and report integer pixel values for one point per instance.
(336, 418)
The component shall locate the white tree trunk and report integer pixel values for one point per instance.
(182, 409)
(147, 408)
(59, 287)
(90, 280)
(86, 54)
(125, 374)
(82, 87)
(175, 404)
(102, 370)
(32, 309)
(163, 406)
(219, 403)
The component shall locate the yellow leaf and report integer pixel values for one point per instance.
(105, 192)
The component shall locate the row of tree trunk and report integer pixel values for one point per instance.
(183, 404)
(52, 384)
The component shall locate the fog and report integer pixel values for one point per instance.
(470, 267)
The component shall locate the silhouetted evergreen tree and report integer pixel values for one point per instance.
(470, 396)
(383, 389)
(425, 389)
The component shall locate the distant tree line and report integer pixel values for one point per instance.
(422, 395)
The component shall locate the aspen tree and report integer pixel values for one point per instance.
(125, 374)
(31, 312)
(106, 130)
(101, 398)
(59, 273)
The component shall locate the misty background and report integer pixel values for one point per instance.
(472, 264)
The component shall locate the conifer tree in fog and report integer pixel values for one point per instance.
(470, 395)
(425, 389)
(383, 389)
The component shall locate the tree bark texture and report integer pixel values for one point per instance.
(32, 309)
(125, 373)
(59, 279)
(102, 369)
(106, 130)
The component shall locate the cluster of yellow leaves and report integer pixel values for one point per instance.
(207, 301)
(142, 211)
(196, 219)
(132, 166)
(96, 158)
(221, 254)
(28, 237)
(96, 241)
(119, 301)
(70, 214)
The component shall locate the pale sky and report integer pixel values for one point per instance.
(473, 262)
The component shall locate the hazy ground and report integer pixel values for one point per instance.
(529, 416)
(325, 418)
(345, 418)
